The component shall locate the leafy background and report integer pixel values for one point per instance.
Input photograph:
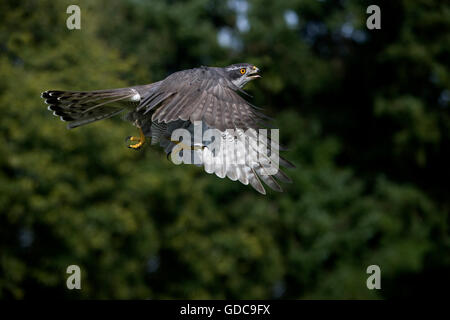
(365, 114)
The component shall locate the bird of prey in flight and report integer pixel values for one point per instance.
(208, 96)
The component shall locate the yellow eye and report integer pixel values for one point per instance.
(242, 70)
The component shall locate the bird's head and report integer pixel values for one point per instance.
(241, 73)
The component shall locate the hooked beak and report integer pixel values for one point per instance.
(254, 73)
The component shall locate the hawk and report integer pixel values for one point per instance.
(207, 97)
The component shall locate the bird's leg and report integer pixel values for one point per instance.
(140, 139)
(181, 146)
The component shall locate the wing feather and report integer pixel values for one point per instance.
(204, 94)
(233, 163)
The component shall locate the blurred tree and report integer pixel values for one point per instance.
(371, 146)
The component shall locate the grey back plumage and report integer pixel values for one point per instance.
(201, 94)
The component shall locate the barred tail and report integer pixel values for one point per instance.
(80, 108)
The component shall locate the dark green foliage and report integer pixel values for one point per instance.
(365, 115)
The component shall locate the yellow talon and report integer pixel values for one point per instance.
(141, 140)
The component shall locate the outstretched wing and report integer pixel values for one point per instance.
(242, 164)
(238, 155)
(202, 94)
